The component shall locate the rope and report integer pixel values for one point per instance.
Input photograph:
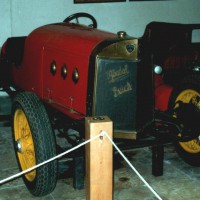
(132, 167)
(47, 161)
(102, 133)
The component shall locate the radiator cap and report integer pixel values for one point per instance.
(121, 34)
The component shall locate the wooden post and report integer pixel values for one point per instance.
(99, 159)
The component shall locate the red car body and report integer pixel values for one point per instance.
(70, 46)
(56, 43)
(69, 71)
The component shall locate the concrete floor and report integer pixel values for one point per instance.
(179, 182)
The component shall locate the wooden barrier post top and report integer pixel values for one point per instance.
(99, 159)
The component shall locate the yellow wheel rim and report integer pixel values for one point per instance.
(24, 143)
(186, 96)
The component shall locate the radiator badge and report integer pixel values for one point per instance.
(130, 48)
(118, 91)
(116, 74)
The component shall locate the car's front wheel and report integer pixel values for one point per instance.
(34, 143)
(185, 104)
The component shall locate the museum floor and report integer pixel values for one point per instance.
(179, 182)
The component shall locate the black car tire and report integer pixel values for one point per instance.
(34, 142)
(187, 90)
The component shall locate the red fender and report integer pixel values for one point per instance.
(162, 93)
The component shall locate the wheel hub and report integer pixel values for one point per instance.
(18, 146)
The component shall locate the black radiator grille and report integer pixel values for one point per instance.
(116, 92)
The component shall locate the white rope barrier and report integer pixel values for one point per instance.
(47, 161)
(76, 147)
(132, 167)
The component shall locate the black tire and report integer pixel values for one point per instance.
(188, 91)
(34, 143)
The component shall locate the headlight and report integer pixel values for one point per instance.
(158, 69)
(196, 68)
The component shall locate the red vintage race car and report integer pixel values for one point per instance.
(60, 73)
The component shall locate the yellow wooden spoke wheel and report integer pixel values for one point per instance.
(190, 96)
(24, 143)
(34, 143)
(187, 93)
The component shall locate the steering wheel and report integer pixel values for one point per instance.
(76, 16)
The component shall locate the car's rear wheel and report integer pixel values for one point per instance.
(188, 93)
(34, 143)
